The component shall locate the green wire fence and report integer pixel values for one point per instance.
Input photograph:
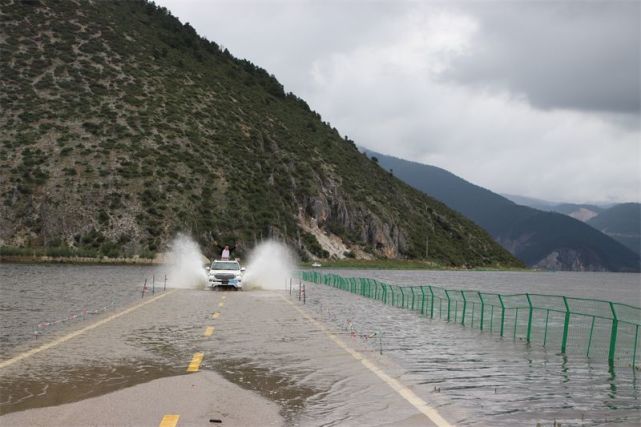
(594, 328)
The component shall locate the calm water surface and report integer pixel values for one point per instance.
(616, 287)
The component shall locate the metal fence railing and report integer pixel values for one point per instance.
(594, 328)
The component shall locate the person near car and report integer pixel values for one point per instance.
(225, 254)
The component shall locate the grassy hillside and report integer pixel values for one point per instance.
(121, 126)
(543, 239)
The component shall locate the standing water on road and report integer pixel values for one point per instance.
(473, 378)
(492, 380)
(38, 299)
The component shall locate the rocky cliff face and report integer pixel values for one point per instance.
(122, 127)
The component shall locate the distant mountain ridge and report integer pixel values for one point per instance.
(540, 239)
(620, 221)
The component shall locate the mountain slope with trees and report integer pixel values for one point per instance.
(122, 126)
(540, 239)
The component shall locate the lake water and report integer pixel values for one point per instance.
(616, 287)
(38, 300)
(472, 377)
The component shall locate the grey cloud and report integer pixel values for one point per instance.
(570, 55)
(362, 66)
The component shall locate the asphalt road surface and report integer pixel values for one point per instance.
(202, 358)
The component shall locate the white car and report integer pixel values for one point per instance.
(225, 274)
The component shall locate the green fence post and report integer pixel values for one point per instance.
(491, 317)
(502, 313)
(613, 335)
(412, 289)
(448, 304)
(636, 340)
(566, 325)
(482, 309)
(464, 308)
(590, 339)
(545, 334)
(431, 303)
(402, 296)
(384, 297)
(529, 319)
(393, 294)
(422, 300)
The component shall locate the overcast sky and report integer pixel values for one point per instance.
(538, 99)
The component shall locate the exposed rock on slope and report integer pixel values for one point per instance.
(121, 127)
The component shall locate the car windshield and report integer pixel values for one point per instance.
(232, 265)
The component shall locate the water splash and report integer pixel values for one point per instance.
(271, 264)
(185, 264)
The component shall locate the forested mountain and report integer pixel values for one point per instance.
(121, 126)
(540, 239)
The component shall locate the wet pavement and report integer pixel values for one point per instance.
(264, 363)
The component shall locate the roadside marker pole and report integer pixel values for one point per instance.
(153, 284)
(144, 287)
(165, 286)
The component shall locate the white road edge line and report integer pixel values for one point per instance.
(403, 391)
(60, 340)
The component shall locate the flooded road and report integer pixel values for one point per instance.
(263, 350)
(40, 300)
(260, 344)
(493, 380)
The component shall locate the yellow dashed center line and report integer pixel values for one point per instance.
(209, 331)
(216, 315)
(169, 421)
(224, 297)
(195, 362)
(221, 304)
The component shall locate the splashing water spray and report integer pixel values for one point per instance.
(185, 264)
(270, 267)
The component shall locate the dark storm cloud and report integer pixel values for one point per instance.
(573, 55)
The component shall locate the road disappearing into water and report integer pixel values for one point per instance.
(191, 357)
